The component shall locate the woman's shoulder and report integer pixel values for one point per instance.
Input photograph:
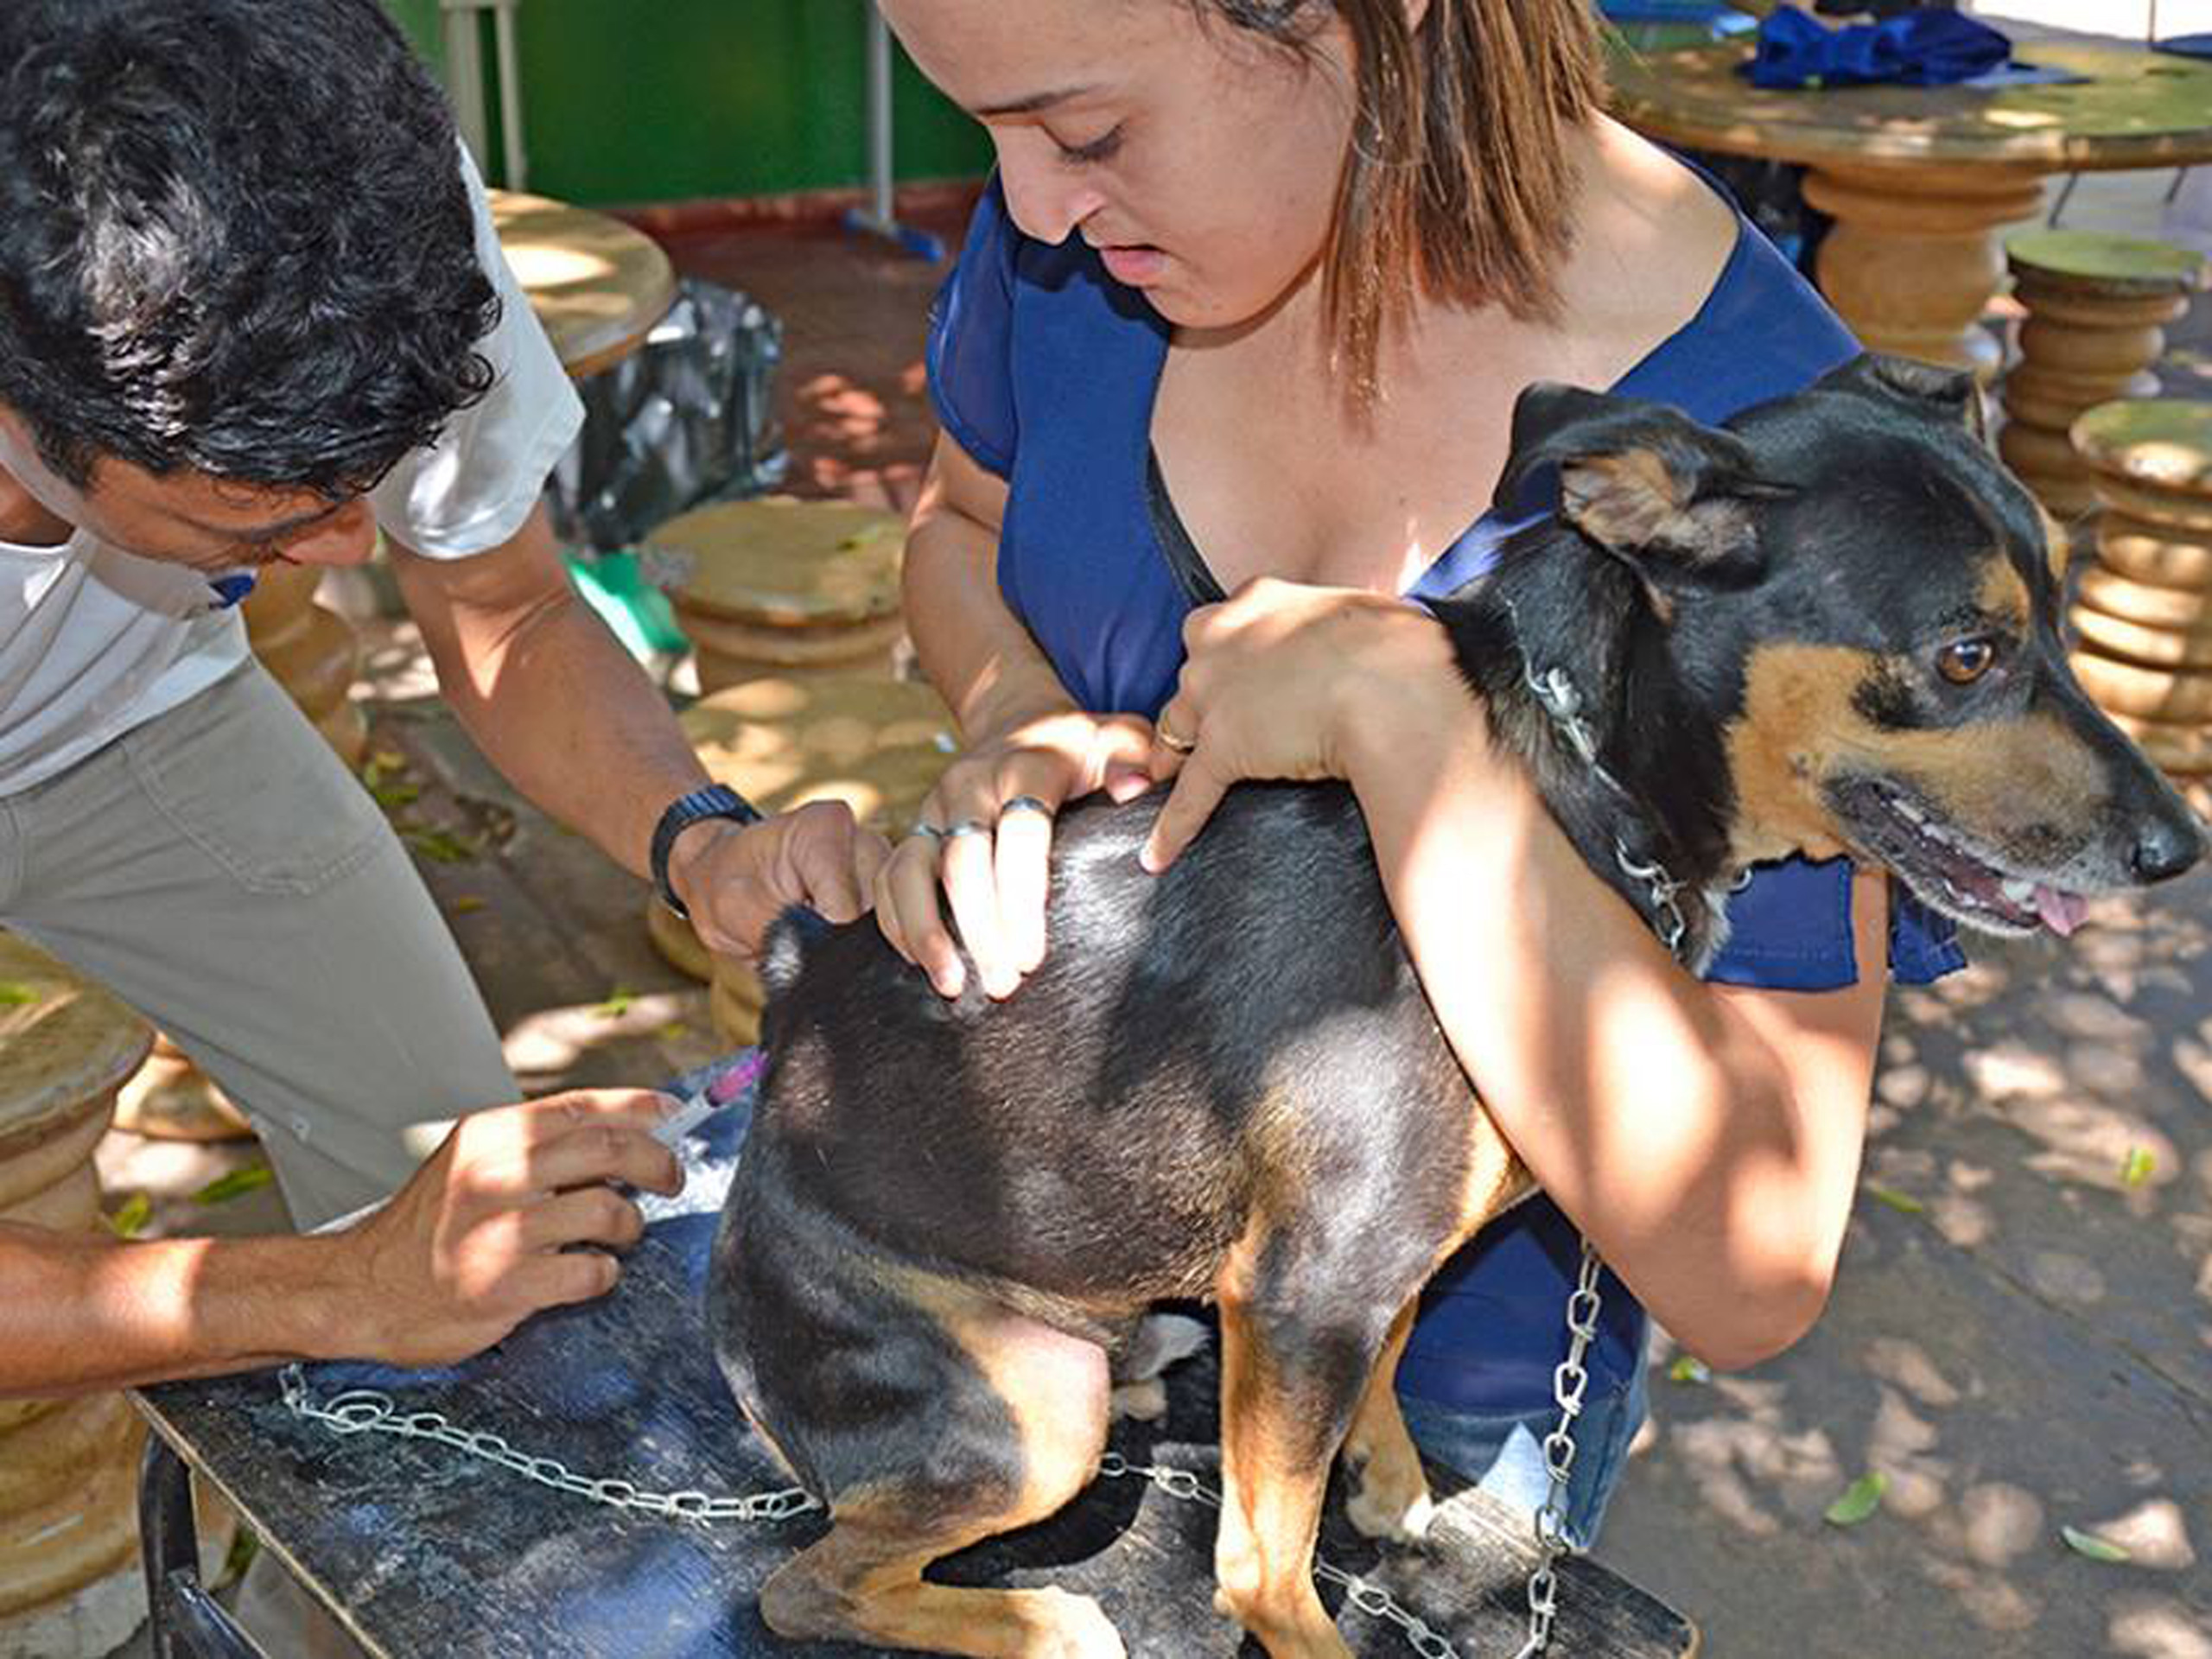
(1747, 326)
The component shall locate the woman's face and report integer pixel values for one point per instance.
(1199, 158)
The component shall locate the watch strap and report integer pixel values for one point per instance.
(715, 801)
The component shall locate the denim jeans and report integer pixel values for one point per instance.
(1504, 1455)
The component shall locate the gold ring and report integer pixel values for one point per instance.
(1173, 744)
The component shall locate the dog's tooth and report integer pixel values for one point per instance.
(2019, 892)
(1912, 814)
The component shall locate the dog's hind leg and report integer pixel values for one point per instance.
(1007, 1428)
(1390, 1499)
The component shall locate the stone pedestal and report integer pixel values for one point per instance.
(1913, 257)
(69, 1579)
(779, 587)
(169, 1098)
(309, 651)
(2097, 307)
(2143, 614)
(875, 743)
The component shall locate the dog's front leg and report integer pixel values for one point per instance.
(1281, 1417)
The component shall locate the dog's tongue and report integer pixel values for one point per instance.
(2062, 912)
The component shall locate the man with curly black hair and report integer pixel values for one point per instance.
(252, 311)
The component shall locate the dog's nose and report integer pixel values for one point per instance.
(2166, 847)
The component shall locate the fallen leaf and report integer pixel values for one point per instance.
(236, 1184)
(617, 1004)
(2137, 1167)
(467, 904)
(2096, 1549)
(1689, 1369)
(14, 995)
(1860, 1500)
(443, 845)
(131, 1217)
(1895, 1200)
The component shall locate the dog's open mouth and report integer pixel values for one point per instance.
(1943, 868)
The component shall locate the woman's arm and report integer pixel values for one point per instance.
(1023, 737)
(1706, 1138)
(974, 650)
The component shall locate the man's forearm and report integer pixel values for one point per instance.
(573, 723)
(78, 1311)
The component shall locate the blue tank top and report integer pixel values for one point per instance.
(1044, 369)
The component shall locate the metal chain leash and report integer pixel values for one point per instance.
(1371, 1598)
(1569, 1383)
(370, 1411)
(1556, 695)
(1663, 892)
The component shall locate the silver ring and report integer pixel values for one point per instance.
(1173, 744)
(928, 831)
(968, 827)
(1025, 803)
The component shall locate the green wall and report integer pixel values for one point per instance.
(420, 19)
(631, 102)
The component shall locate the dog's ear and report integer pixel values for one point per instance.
(1947, 394)
(1641, 480)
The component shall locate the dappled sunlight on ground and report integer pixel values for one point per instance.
(2018, 1341)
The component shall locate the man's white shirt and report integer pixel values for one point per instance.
(94, 641)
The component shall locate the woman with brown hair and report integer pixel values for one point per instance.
(1245, 312)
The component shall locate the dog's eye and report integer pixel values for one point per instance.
(1964, 661)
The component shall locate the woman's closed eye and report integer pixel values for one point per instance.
(1098, 149)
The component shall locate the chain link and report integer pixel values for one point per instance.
(1556, 694)
(1371, 1598)
(1570, 1382)
(370, 1411)
(1662, 888)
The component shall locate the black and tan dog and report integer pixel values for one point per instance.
(1831, 626)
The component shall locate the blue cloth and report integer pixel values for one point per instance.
(1920, 49)
(1043, 368)
(231, 590)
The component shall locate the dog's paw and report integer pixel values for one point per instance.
(1385, 1509)
(1057, 1625)
(1146, 1400)
(1160, 1340)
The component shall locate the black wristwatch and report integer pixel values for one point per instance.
(715, 801)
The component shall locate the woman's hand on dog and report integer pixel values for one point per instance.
(986, 839)
(478, 1239)
(1285, 681)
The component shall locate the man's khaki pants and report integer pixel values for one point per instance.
(218, 869)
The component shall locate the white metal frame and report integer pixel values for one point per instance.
(464, 83)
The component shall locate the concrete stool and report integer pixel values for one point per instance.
(2096, 309)
(169, 1098)
(2143, 612)
(875, 743)
(69, 1580)
(309, 651)
(778, 587)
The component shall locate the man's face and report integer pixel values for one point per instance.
(209, 525)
